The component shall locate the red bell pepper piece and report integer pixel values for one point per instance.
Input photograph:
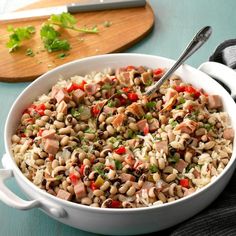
(95, 110)
(128, 68)
(133, 97)
(146, 129)
(115, 204)
(158, 71)
(73, 178)
(81, 170)
(75, 86)
(121, 150)
(184, 183)
(179, 88)
(93, 186)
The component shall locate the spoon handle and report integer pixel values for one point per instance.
(199, 39)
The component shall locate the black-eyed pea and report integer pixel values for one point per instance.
(24, 117)
(98, 193)
(170, 178)
(204, 138)
(113, 190)
(109, 120)
(40, 123)
(86, 201)
(161, 163)
(125, 187)
(141, 180)
(168, 170)
(45, 118)
(56, 189)
(188, 157)
(64, 141)
(105, 134)
(39, 162)
(171, 199)
(209, 145)
(200, 131)
(152, 192)
(15, 139)
(102, 118)
(105, 186)
(156, 177)
(110, 130)
(86, 162)
(133, 126)
(65, 185)
(94, 205)
(107, 203)
(179, 191)
(172, 189)
(66, 130)
(60, 116)
(89, 136)
(131, 191)
(111, 174)
(161, 196)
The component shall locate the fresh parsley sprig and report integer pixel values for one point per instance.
(18, 35)
(67, 21)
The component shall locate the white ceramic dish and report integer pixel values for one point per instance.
(116, 221)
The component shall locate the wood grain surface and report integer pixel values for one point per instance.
(128, 26)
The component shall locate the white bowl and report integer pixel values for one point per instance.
(115, 221)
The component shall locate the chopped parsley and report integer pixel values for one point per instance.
(62, 55)
(106, 87)
(18, 35)
(107, 23)
(68, 21)
(75, 113)
(173, 158)
(99, 168)
(112, 103)
(148, 116)
(208, 126)
(51, 41)
(153, 168)
(173, 123)
(118, 164)
(151, 105)
(90, 131)
(29, 52)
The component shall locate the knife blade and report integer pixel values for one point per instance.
(96, 5)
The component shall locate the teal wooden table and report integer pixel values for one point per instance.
(176, 22)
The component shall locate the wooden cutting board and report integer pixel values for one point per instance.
(128, 26)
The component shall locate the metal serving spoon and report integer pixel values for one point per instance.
(199, 39)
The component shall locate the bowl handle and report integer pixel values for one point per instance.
(11, 199)
(221, 72)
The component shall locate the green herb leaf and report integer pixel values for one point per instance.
(208, 126)
(62, 55)
(29, 52)
(68, 21)
(90, 131)
(18, 35)
(173, 123)
(148, 116)
(151, 105)
(106, 87)
(173, 159)
(153, 168)
(118, 164)
(99, 168)
(50, 38)
(111, 103)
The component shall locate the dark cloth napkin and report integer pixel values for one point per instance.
(219, 219)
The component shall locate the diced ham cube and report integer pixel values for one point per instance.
(136, 109)
(62, 107)
(214, 101)
(125, 78)
(49, 134)
(125, 177)
(147, 185)
(109, 110)
(154, 125)
(162, 145)
(90, 89)
(80, 190)
(187, 126)
(64, 195)
(228, 134)
(62, 95)
(118, 121)
(196, 174)
(180, 165)
(142, 124)
(54, 91)
(146, 78)
(51, 146)
(170, 93)
(78, 95)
